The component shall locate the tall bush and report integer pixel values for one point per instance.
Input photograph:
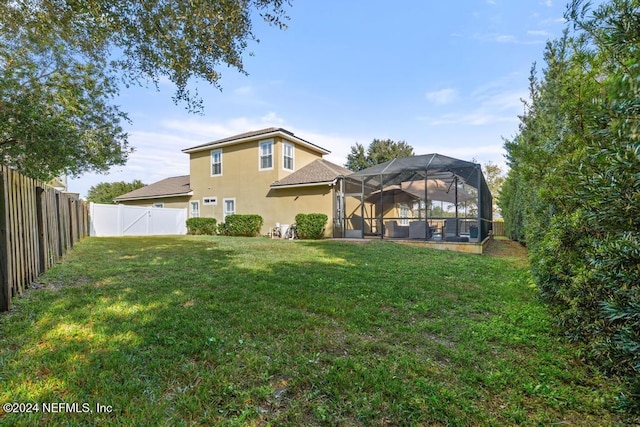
(573, 192)
(311, 226)
(241, 225)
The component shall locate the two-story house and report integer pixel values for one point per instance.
(269, 172)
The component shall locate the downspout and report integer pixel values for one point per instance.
(480, 200)
(381, 210)
(426, 194)
(455, 184)
(362, 209)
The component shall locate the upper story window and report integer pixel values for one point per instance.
(287, 156)
(266, 154)
(216, 162)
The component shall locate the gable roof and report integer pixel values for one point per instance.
(168, 187)
(318, 172)
(263, 133)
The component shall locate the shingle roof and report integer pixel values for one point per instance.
(319, 171)
(252, 134)
(168, 187)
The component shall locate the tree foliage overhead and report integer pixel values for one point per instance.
(379, 151)
(62, 62)
(573, 191)
(105, 192)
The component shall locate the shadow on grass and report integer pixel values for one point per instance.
(212, 330)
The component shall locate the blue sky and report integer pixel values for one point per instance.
(445, 77)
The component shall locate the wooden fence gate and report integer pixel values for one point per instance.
(38, 224)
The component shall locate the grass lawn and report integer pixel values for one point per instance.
(197, 330)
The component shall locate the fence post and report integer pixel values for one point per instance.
(40, 215)
(5, 291)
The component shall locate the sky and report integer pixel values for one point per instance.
(445, 77)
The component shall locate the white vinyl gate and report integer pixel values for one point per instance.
(122, 220)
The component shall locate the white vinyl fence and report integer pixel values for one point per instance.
(121, 220)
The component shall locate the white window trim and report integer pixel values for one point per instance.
(209, 201)
(211, 162)
(284, 156)
(224, 207)
(260, 143)
(191, 203)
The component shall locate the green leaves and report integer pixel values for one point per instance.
(105, 192)
(573, 193)
(61, 63)
(379, 151)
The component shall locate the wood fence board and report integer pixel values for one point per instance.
(5, 285)
(38, 224)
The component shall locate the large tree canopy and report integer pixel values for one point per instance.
(105, 192)
(62, 61)
(379, 151)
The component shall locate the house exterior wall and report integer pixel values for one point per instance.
(243, 181)
(286, 203)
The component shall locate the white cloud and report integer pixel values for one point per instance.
(539, 33)
(244, 91)
(505, 38)
(442, 97)
(494, 102)
(158, 152)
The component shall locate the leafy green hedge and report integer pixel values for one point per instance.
(241, 225)
(573, 192)
(310, 226)
(201, 226)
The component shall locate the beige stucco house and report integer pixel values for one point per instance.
(269, 172)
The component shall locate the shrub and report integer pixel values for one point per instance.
(310, 226)
(241, 225)
(201, 226)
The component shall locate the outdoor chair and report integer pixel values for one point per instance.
(392, 229)
(418, 230)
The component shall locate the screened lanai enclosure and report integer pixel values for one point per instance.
(429, 197)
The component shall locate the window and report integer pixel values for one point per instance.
(210, 201)
(287, 156)
(158, 205)
(229, 207)
(195, 210)
(404, 214)
(216, 162)
(266, 154)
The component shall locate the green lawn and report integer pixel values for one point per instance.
(197, 330)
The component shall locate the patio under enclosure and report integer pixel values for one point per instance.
(428, 197)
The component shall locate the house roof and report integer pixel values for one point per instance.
(262, 133)
(168, 187)
(318, 172)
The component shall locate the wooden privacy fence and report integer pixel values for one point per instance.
(38, 224)
(498, 228)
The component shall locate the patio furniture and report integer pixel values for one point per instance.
(418, 230)
(392, 229)
(450, 228)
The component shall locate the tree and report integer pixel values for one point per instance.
(379, 151)
(495, 179)
(573, 191)
(62, 63)
(105, 192)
